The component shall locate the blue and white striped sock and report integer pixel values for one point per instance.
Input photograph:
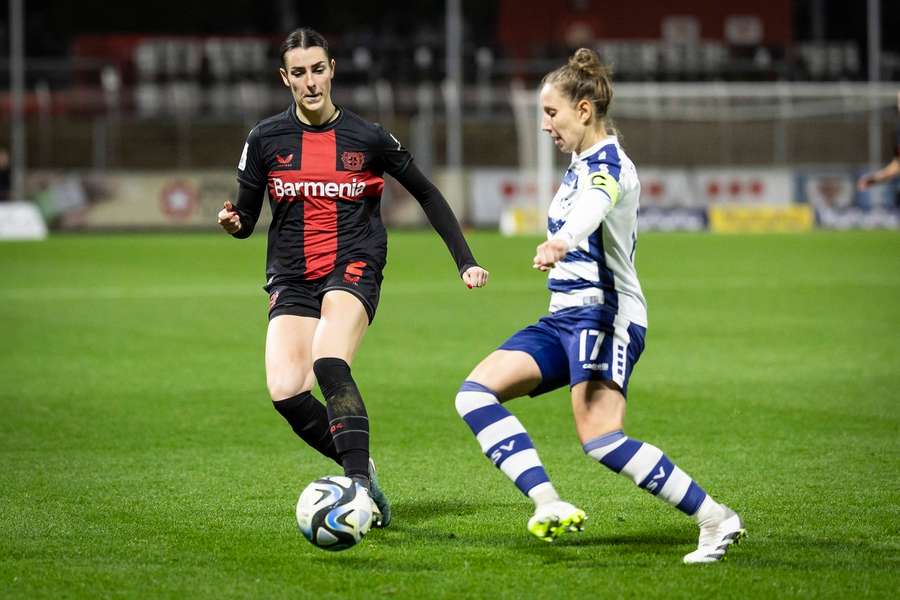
(504, 441)
(652, 470)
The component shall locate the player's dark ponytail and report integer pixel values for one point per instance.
(585, 77)
(304, 38)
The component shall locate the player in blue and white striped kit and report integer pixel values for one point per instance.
(594, 333)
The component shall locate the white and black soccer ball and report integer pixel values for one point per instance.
(334, 513)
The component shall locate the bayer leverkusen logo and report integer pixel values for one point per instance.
(178, 200)
(353, 161)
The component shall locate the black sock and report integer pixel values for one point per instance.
(309, 420)
(347, 416)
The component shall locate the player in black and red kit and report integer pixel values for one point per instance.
(323, 169)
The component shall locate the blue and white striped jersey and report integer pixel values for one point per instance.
(600, 269)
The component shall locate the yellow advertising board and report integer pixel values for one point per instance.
(761, 219)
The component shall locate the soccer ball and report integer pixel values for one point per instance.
(334, 513)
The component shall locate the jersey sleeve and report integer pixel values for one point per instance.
(599, 185)
(251, 169)
(589, 210)
(393, 156)
(603, 172)
(248, 205)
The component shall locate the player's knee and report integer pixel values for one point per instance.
(285, 384)
(281, 390)
(472, 396)
(481, 371)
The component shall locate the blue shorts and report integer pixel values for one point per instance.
(580, 344)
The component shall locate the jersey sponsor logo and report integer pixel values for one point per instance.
(354, 272)
(318, 189)
(353, 161)
(284, 160)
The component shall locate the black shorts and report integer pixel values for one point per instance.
(361, 278)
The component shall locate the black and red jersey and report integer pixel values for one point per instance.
(324, 185)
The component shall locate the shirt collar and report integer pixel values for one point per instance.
(610, 139)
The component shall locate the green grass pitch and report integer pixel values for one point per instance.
(141, 456)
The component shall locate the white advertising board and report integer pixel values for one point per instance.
(21, 221)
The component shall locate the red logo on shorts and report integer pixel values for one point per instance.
(353, 161)
(354, 272)
(273, 298)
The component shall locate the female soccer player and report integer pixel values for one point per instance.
(322, 166)
(594, 333)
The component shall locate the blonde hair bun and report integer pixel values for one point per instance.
(584, 77)
(588, 64)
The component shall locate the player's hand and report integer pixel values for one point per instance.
(475, 277)
(864, 182)
(549, 253)
(229, 219)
